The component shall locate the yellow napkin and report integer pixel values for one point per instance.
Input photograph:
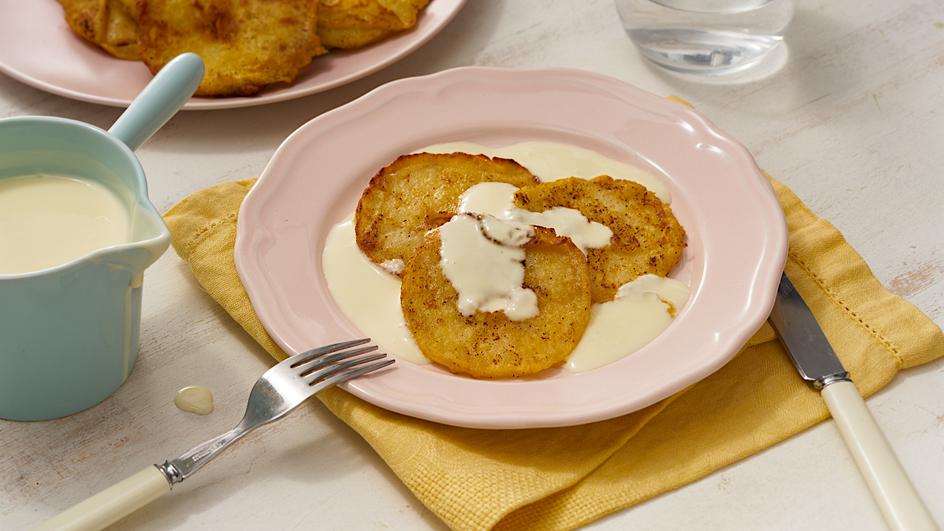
(564, 477)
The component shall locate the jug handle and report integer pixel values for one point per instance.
(159, 100)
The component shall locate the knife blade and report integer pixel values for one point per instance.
(815, 360)
(803, 339)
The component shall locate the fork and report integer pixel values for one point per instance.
(280, 390)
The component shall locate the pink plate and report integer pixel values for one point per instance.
(736, 233)
(38, 48)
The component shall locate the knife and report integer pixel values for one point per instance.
(817, 363)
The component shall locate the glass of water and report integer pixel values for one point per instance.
(707, 37)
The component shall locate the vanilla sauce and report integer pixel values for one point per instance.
(194, 399)
(49, 220)
(483, 259)
(497, 199)
(367, 294)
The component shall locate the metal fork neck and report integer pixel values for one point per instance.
(171, 474)
(181, 468)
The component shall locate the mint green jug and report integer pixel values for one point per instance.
(69, 333)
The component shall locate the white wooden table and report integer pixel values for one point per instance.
(854, 124)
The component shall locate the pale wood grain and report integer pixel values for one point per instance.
(853, 124)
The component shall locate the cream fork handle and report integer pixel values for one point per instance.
(896, 496)
(111, 504)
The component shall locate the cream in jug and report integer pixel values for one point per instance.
(48, 220)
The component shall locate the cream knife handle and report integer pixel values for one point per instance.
(111, 504)
(896, 496)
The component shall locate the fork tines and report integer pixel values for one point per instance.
(298, 359)
(333, 364)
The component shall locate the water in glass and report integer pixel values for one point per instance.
(708, 37)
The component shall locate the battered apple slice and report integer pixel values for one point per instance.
(489, 344)
(110, 24)
(417, 193)
(245, 45)
(646, 236)
(356, 23)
